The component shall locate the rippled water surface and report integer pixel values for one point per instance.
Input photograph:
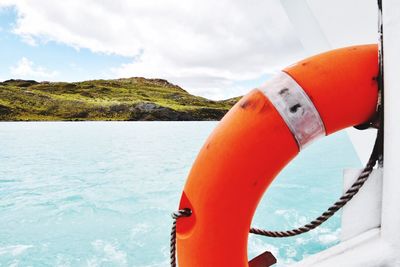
(101, 193)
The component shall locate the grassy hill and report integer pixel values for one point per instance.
(120, 99)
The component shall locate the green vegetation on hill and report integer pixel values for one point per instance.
(120, 99)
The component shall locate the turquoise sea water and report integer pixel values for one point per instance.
(101, 193)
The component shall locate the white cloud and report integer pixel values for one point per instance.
(205, 46)
(26, 69)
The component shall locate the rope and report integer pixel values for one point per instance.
(176, 215)
(346, 197)
(376, 155)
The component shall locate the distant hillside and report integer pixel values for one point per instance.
(120, 99)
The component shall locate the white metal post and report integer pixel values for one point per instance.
(391, 182)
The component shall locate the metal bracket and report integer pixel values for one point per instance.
(263, 260)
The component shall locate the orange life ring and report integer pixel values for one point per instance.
(258, 137)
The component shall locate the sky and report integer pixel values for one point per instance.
(216, 49)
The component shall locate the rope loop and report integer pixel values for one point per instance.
(175, 216)
(181, 213)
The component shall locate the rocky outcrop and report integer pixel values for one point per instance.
(154, 112)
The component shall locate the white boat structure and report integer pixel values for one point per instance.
(371, 221)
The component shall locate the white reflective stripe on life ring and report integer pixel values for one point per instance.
(295, 107)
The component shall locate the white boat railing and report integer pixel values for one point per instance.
(371, 223)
